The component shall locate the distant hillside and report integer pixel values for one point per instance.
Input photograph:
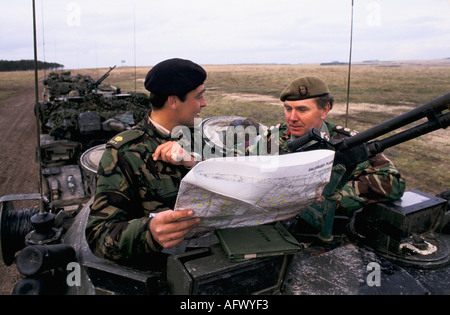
(20, 65)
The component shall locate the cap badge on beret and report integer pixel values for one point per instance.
(303, 90)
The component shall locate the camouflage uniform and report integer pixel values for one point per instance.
(372, 181)
(130, 187)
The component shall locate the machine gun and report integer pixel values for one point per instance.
(95, 85)
(353, 150)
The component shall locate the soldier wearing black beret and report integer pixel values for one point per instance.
(174, 77)
(131, 219)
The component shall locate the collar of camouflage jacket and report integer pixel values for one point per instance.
(162, 130)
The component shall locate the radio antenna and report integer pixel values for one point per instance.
(36, 107)
(43, 221)
(134, 42)
(349, 67)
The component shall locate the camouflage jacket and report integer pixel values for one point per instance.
(374, 180)
(130, 186)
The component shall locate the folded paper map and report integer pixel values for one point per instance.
(252, 190)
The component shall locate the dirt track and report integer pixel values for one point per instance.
(18, 169)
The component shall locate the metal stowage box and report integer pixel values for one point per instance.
(208, 271)
(387, 224)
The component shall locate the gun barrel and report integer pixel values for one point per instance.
(94, 85)
(378, 146)
(429, 110)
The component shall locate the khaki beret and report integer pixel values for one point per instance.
(304, 88)
(174, 77)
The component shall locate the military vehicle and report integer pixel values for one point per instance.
(400, 247)
(61, 86)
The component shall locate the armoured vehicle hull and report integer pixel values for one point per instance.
(350, 264)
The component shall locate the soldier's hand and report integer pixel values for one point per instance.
(168, 230)
(171, 152)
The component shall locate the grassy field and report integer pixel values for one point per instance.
(379, 91)
(11, 82)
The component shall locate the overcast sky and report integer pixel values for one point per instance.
(100, 33)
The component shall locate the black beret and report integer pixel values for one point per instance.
(304, 88)
(174, 77)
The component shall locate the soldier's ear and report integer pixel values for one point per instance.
(172, 101)
(325, 111)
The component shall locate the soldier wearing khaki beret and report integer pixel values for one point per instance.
(307, 101)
